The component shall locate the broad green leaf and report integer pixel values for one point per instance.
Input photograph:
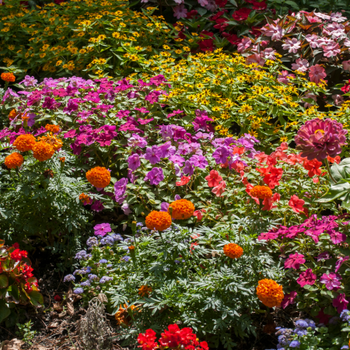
(4, 281)
(36, 298)
(4, 310)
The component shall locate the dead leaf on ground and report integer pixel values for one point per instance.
(39, 347)
(70, 309)
(14, 344)
(57, 307)
(53, 325)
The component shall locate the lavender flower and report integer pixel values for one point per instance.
(85, 284)
(105, 279)
(92, 241)
(108, 240)
(80, 255)
(319, 138)
(126, 258)
(78, 291)
(117, 237)
(69, 278)
(93, 277)
(119, 190)
(103, 261)
(134, 162)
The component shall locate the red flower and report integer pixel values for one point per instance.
(219, 189)
(241, 14)
(57, 298)
(313, 166)
(206, 44)
(18, 254)
(232, 38)
(346, 87)
(335, 159)
(198, 214)
(184, 181)
(272, 178)
(297, 204)
(221, 3)
(258, 5)
(213, 178)
(191, 14)
(268, 202)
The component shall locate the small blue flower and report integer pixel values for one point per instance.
(105, 279)
(300, 332)
(103, 261)
(80, 255)
(176, 261)
(344, 315)
(117, 237)
(301, 324)
(78, 291)
(344, 347)
(311, 323)
(92, 241)
(85, 284)
(294, 344)
(108, 240)
(126, 258)
(93, 277)
(109, 265)
(139, 224)
(69, 278)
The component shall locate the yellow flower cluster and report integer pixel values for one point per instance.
(71, 37)
(236, 95)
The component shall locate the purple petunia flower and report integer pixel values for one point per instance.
(340, 261)
(102, 229)
(164, 206)
(155, 176)
(134, 162)
(221, 154)
(97, 206)
(153, 154)
(320, 138)
(340, 302)
(120, 189)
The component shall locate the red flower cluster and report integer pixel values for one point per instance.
(18, 254)
(172, 338)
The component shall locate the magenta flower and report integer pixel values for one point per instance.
(120, 189)
(155, 176)
(134, 162)
(153, 154)
(289, 299)
(306, 278)
(340, 302)
(102, 229)
(319, 138)
(340, 262)
(294, 261)
(331, 280)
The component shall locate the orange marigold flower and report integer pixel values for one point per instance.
(261, 192)
(9, 77)
(14, 160)
(54, 141)
(25, 117)
(158, 220)
(132, 247)
(233, 250)
(122, 315)
(144, 291)
(25, 142)
(99, 177)
(85, 199)
(182, 209)
(62, 159)
(53, 128)
(43, 151)
(270, 292)
(13, 114)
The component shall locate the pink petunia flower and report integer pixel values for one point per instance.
(306, 278)
(294, 261)
(316, 73)
(331, 280)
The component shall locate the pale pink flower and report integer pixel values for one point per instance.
(244, 44)
(269, 54)
(283, 77)
(300, 65)
(180, 11)
(312, 39)
(292, 45)
(331, 50)
(337, 17)
(274, 31)
(255, 58)
(346, 65)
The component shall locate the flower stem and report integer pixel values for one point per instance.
(329, 171)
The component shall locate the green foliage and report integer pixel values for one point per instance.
(25, 332)
(192, 281)
(41, 204)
